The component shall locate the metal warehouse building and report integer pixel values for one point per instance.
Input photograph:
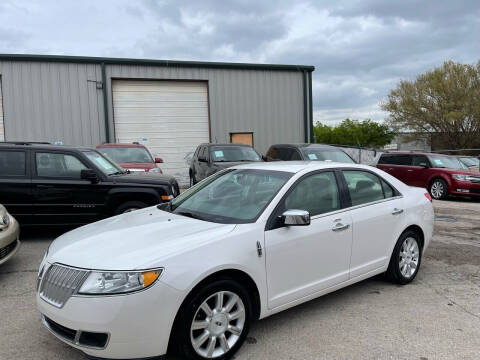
(170, 106)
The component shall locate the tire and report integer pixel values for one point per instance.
(217, 336)
(130, 206)
(406, 254)
(438, 189)
(193, 181)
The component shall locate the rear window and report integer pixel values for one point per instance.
(327, 155)
(12, 163)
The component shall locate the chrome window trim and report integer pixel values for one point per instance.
(78, 333)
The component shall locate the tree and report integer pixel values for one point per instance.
(365, 133)
(444, 101)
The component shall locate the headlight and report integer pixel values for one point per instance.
(121, 282)
(155, 170)
(4, 221)
(460, 177)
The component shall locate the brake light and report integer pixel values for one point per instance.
(427, 195)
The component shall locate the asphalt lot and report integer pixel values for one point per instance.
(435, 317)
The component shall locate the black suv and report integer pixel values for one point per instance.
(210, 158)
(316, 152)
(42, 184)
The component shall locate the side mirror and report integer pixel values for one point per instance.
(424, 165)
(89, 174)
(158, 160)
(296, 218)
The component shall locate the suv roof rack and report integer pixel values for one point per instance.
(26, 142)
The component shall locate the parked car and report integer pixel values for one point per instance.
(315, 152)
(442, 175)
(210, 158)
(49, 184)
(473, 163)
(245, 243)
(133, 157)
(9, 233)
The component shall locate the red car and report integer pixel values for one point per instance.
(442, 175)
(134, 157)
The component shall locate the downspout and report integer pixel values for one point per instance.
(105, 103)
(305, 106)
(311, 104)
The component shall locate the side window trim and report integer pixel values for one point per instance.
(35, 170)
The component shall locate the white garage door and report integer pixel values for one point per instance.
(2, 131)
(169, 117)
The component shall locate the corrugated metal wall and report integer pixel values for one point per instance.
(266, 102)
(50, 101)
(1, 113)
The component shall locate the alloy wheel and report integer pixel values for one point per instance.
(217, 324)
(437, 189)
(409, 257)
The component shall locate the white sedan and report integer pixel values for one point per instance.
(245, 243)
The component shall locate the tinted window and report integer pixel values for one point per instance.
(447, 162)
(12, 163)
(58, 165)
(318, 194)
(335, 155)
(396, 159)
(420, 160)
(272, 154)
(363, 186)
(387, 190)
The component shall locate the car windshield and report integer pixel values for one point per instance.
(107, 166)
(127, 154)
(470, 161)
(327, 155)
(233, 153)
(446, 162)
(234, 196)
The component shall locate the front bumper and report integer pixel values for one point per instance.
(137, 325)
(465, 188)
(9, 243)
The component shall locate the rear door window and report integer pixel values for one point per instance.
(364, 187)
(12, 163)
(396, 160)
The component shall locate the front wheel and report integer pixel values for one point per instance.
(439, 189)
(406, 258)
(215, 322)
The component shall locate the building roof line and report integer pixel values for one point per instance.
(152, 62)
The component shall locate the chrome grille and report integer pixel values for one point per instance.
(59, 283)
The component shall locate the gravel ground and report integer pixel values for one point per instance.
(435, 317)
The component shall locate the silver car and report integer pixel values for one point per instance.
(9, 232)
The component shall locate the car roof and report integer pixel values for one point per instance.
(296, 166)
(109, 145)
(305, 145)
(41, 146)
(413, 153)
(234, 144)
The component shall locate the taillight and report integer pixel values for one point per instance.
(427, 195)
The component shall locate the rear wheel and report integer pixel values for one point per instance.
(438, 189)
(130, 206)
(215, 321)
(406, 258)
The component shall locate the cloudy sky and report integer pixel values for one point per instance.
(360, 49)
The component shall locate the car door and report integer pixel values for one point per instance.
(397, 165)
(202, 163)
(302, 260)
(15, 183)
(377, 212)
(418, 173)
(60, 196)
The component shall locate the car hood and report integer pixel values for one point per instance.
(135, 240)
(138, 165)
(143, 178)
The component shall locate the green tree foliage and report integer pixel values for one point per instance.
(365, 133)
(445, 101)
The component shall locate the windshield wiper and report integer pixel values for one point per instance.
(188, 214)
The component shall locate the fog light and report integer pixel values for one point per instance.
(463, 190)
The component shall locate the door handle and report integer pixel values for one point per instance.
(397, 211)
(340, 227)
